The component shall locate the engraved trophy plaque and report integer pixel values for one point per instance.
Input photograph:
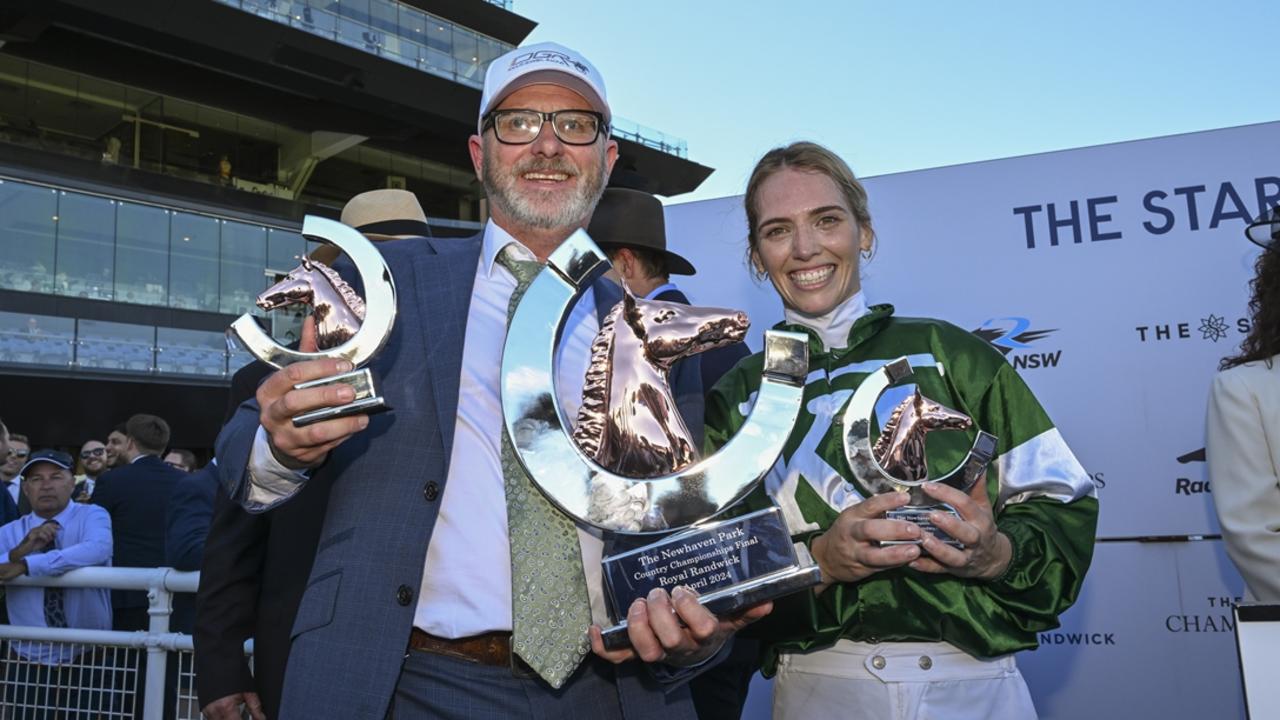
(896, 463)
(629, 466)
(348, 326)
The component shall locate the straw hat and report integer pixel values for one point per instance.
(380, 215)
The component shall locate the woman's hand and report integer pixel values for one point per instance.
(987, 551)
(850, 549)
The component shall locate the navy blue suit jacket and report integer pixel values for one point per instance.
(354, 620)
(136, 496)
(8, 508)
(188, 516)
(716, 362)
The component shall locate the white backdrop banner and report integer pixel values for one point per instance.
(1114, 278)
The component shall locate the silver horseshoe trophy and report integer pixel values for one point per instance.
(348, 326)
(900, 448)
(732, 563)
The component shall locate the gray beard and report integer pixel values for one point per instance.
(572, 213)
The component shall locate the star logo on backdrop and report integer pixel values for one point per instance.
(1213, 327)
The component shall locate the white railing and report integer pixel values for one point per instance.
(161, 584)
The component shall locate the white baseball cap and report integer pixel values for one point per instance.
(543, 63)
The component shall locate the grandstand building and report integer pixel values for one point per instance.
(157, 158)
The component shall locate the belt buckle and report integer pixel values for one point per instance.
(519, 668)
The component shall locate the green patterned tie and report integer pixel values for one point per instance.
(550, 607)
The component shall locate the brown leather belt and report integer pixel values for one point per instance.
(493, 648)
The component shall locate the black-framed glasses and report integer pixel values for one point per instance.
(519, 126)
(96, 452)
(1266, 229)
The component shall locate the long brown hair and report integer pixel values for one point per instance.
(1263, 340)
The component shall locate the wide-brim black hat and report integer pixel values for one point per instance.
(630, 218)
(1265, 231)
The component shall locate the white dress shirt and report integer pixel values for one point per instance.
(12, 486)
(466, 587)
(466, 584)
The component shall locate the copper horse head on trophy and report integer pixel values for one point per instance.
(629, 422)
(337, 309)
(900, 448)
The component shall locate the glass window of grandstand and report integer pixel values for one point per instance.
(244, 255)
(312, 16)
(439, 52)
(116, 346)
(28, 227)
(36, 339)
(413, 30)
(86, 246)
(353, 25)
(466, 54)
(193, 262)
(489, 51)
(190, 352)
(142, 254)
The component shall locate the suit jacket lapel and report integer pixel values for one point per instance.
(444, 279)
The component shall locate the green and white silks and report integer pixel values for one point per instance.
(1043, 499)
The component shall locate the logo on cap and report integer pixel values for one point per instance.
(550, 56)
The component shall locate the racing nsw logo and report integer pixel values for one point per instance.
(1186, 485)
(1020, 342)
(549, 56)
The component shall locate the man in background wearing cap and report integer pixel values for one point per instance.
(630, 226)
(439, 605)
(56, 536)
(255, 566)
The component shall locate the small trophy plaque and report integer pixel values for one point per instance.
(896, 463)
(629, 466)
(348, 326)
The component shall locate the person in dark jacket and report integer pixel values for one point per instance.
(136, 494)
(630, 227)
(256, 566)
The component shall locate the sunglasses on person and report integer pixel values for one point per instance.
(519, 126)
(14, 452)
(96, 452)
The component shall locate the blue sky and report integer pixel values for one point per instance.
(896, 86)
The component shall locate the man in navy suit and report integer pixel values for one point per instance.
(136, 495)
(256, 565)
(410, 604)
(8, 507)
(186, 520)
